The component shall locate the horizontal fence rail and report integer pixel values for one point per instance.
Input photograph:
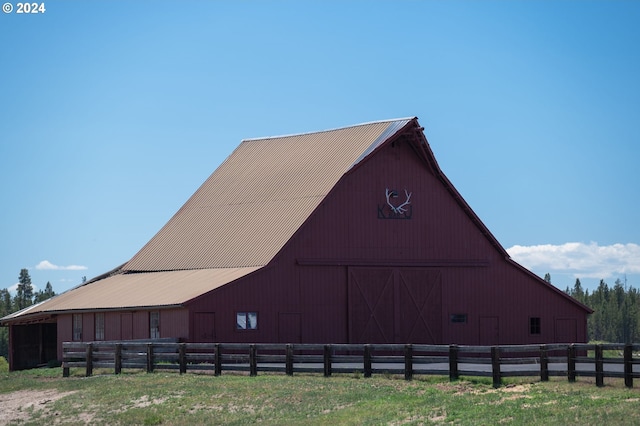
(570, 360)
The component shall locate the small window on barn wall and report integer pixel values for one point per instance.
(246, 320)
(77, 327)
(534, 325)
(154, 325)
(458, 318)
(99, 323)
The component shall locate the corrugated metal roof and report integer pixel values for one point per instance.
(259, 196)
(138, 290)
(235, 223)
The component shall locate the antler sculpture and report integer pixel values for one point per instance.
(401, 208)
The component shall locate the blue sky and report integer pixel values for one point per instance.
(113, 113)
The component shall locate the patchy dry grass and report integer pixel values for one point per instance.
(44, 397)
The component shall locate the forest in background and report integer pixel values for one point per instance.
(616, 316)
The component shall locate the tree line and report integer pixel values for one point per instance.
(616, 316)
(25, 297)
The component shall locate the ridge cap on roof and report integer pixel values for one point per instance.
(329, 130)
(207, 268)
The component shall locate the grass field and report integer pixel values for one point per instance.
(43, 397)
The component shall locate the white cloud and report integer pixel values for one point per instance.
(14, 288)
(46, 265)
(580, 259)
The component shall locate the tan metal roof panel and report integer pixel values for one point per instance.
(259, 196)
(138, 290)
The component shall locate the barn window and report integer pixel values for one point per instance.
(77, 327)
(459, 318)
(246, 320)
(154, 325)
(99, 326)
(534, 325)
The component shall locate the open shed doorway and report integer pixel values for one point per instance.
(33, 345)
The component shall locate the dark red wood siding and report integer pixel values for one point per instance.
(88, 327)
(174, 323)
(349, 275)
(126, 325)
(65, 331)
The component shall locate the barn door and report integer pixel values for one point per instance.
(371, 305)
(395, 305)
(204, 327)
(419, 309)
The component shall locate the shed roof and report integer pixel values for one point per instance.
(126, 291)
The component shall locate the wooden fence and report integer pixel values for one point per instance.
(570, 360)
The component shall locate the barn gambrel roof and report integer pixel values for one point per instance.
(241, 217)
(246, 211)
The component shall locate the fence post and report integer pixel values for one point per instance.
(217, 360)
(495, 366)
(89, 359)
(453, 363)
(289, 359)
(182, 357)
(367, 360)
(628, 365)
(544, 364)
(149, 357)
(408, 362)
(599, 366)
(571, 363)
(118, 358)
(253, 362)
(327, 360)
(65, 369)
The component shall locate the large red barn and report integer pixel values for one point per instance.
(350, 235)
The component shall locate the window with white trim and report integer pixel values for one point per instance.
(246, 320)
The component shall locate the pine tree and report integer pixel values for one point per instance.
(578, 292)
(45, 294)
(5, 303)
(24, 293)
(5, 309)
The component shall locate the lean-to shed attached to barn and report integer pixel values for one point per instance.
(352, 235)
